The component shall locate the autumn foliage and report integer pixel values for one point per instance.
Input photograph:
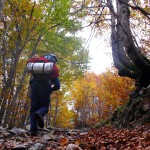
(97, 96)
(31, 28)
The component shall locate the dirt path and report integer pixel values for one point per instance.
(106, 138)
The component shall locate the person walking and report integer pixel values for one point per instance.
(42, 86)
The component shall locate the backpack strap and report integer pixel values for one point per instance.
(55, 73)
(36, 59)
(41, 58)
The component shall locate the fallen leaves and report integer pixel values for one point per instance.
(110, 138)
(106, 138)
(63, 141)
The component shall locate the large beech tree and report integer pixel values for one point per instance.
(127, 55)
(128, 23)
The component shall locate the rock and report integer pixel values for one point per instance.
(49, 137)
(85, 130)
(21, 146)
(3, 132)
(146, 107)
(45, 129)
(83, 134)
(50, 128)
(17, 130)
(73, 147)
(27, 127)
(72, 133)
(37, 146)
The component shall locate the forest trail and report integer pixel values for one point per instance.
(105, 138)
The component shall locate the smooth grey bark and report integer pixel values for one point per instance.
(127, 57)
(132, 51)
(120, 59)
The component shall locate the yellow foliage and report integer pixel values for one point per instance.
(97, 96)
(87, 2)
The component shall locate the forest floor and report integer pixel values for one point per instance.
(105, 138)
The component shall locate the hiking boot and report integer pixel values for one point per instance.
(33, 133)
(40, 120)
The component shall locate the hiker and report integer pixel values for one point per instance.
(42, 85)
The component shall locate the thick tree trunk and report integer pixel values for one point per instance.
(127, 58)
(130, 62)
(120, 59)
(124, 29)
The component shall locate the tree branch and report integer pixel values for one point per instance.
(145, 13)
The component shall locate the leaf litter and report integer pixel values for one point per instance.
(105, 138)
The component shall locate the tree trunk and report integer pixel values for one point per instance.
(127, 58)
(56, 112)
(131, 63)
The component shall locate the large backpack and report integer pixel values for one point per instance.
(42, 69)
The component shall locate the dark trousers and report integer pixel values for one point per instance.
(40, 100)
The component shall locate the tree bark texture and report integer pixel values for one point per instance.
(127, 57)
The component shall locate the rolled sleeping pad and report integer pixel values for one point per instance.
(39, 67)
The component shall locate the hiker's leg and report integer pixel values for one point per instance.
(44, 93)
(35, 105)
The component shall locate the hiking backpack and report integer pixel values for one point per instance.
(42, 69)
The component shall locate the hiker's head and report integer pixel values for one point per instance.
(51, 57)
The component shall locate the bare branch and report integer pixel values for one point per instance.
(32, 10)
(145, 13)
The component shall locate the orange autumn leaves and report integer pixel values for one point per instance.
(97, 96)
